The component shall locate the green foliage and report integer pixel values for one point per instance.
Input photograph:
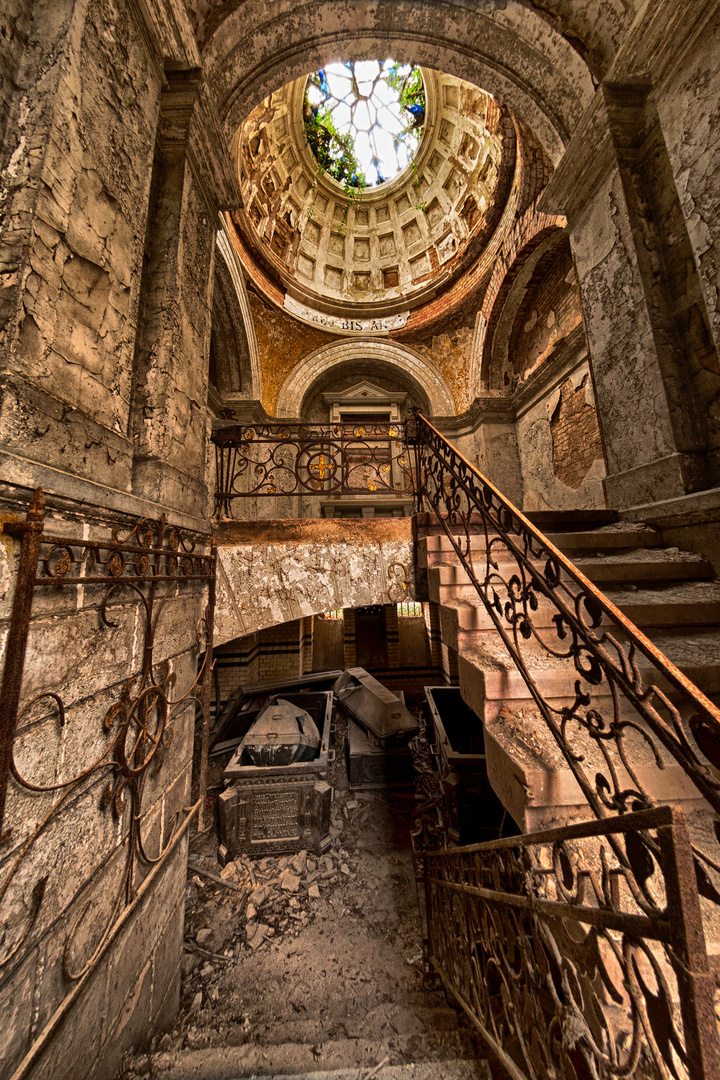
(335, 152)
(410, 87)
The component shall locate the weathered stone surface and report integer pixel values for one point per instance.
(263, 584)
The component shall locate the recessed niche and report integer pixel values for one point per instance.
(469, 147)
(382, 214)
(312, 233)
(338, 212)
(435, 163)
(333, 278)
(321, 203)
(280, 126)
(411, 233)
(391, 277)
(402, 205)
(361, 281)
(447, 130)
(453, 185)
(289, 160)
(450, 97)
(306, 266)
(336, 245)
(362, 217)
(446, 248)
(420, 266)
(362, 249)
(434, 213)
(387, 244)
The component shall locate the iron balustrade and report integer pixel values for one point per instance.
(629, 713)
(628, 701)
(577, 952)
(139, 571)
(295, 459)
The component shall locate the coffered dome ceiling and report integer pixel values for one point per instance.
(383, 250)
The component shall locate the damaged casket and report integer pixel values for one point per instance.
(371, 768)
(277, 797)
(386, 720)
(457, 738)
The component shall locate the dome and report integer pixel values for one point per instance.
(380, 250)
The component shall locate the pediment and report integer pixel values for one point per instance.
(365, 393)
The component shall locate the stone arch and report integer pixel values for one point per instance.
(431, 386)
(235, 297)
(503, 48)
(593, 31)
(531, 236)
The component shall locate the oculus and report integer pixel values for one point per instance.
(364, 119)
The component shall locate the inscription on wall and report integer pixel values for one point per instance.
(341, 325)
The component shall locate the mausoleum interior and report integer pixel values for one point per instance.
(360, 539)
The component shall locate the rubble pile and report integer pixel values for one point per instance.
(238, 907)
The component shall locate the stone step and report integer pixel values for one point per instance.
(290, 1061)
(695, 652)
(564, 521)
(418, 1020)
(450, 580)
(435, 549)
(686, 603)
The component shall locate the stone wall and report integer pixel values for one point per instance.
(560, 448)
(88, 839)
(111, 423)
(275, 572)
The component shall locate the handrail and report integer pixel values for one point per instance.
(294, 458)
(593, 729)
(524, 931)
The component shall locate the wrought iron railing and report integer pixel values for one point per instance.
(629, 702)
(294, 459)
(576, 957)
(115, 763)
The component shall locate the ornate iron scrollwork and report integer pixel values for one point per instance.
(263, 460)
(571, 949)
(151, 562)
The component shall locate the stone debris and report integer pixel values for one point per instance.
(250, 902)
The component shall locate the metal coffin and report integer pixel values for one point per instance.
(270, 809)
(370, 767)
(376, 709)
(474, 811)
(282, 734)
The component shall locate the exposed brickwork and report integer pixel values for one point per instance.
(528, 232)
(308, 629)
(392, 634)
(549, 312)
(575, 434)
(281, 651)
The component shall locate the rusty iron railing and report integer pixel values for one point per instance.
(577, 952)
(138, 569)
(294, 459)
(628, 703)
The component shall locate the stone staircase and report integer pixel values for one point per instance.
(338, 994)
(671, 595)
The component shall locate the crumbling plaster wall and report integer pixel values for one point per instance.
(73, 240)
(277, 572)
(689, 111)
(85, 849)
(544, 449)
(81, 86)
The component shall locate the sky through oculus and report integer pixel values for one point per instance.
(364, 119)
